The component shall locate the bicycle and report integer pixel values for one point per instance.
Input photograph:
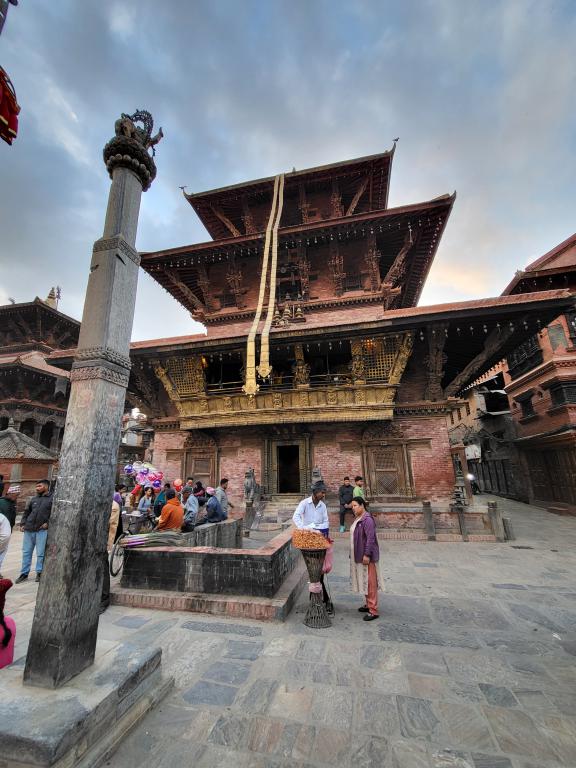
(135, 525)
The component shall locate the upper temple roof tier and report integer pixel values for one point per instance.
(371, 257)
(311, 195)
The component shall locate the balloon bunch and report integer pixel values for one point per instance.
(144, 474)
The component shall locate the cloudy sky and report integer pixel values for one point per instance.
(481, 94)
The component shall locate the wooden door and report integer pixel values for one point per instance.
(201, 467)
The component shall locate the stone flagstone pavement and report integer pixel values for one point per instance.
(471, 665)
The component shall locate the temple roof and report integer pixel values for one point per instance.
(37, 305)
(223, 210)
(34, 361)
(553, 267)
(178, 269)
(17, 445)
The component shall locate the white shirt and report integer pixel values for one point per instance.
(5, 529)
(309, 516)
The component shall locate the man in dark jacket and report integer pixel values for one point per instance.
(8, 504)
(34, 523)
(345, 497)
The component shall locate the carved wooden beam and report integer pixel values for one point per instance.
(435, 361)
(204, 283)
(146, 392)
(235, 283)
(372, 259)
(336, 261)
(163, 375)
(24, 327)
(198, 307)
(248, 218)
(336, 207)
(226, 221)
(356, 199)
(303, 203)
(494, 340)
(396, 271)
(402, 357)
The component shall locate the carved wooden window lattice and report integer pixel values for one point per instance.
(388, 471)
(379, 357)
(184, 374)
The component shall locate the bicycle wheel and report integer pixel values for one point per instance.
(117, 558)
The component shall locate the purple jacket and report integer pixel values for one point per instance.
(365, 541)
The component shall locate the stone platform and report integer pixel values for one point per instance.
(274, 608)
(213, 570)
(82, 723)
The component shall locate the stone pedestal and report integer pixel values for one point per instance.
(82, 723)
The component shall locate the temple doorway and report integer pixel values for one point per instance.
(288, 468)
(287, 465)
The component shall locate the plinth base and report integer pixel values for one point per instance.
(81, 723)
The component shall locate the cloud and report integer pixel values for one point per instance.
(481, 95)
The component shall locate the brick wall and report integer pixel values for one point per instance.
(432, 469)
(165, 443)
(236, 455)
(337, 451)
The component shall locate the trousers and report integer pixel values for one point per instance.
(4, 541)
(372, 596)
(33, 539)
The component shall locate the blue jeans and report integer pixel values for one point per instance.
(33, 539)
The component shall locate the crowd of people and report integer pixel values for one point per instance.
(174, 507)
(182, 506)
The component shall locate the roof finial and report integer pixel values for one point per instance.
(51, 298)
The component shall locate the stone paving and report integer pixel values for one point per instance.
(471, 665)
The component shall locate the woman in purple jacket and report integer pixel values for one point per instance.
(365, 570)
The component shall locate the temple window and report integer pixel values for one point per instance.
(563, 393)
(527, 407)
(525, 357)
(224, 372)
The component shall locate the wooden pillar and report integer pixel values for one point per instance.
(63, 638)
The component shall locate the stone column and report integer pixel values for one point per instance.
(65, 626)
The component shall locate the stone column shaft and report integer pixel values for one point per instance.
(64, 630)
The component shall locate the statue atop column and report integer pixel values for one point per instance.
(129, 148)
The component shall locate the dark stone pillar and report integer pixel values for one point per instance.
(495, 516)
(429, 520)
(65, 626)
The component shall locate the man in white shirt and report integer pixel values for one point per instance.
(311, 514)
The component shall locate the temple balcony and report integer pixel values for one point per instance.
(304, 404)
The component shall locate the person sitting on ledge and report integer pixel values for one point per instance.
(172, 515)
(214, 512)
(190, 503)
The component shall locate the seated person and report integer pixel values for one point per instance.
(190, 509)
(214, 511)
(199, 492)
(172, 515)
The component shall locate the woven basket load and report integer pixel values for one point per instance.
(309, 540)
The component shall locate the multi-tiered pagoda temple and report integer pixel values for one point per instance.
(315, 353)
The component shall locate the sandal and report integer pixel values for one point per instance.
(371, 617)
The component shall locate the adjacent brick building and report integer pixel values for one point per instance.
(541, 385)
